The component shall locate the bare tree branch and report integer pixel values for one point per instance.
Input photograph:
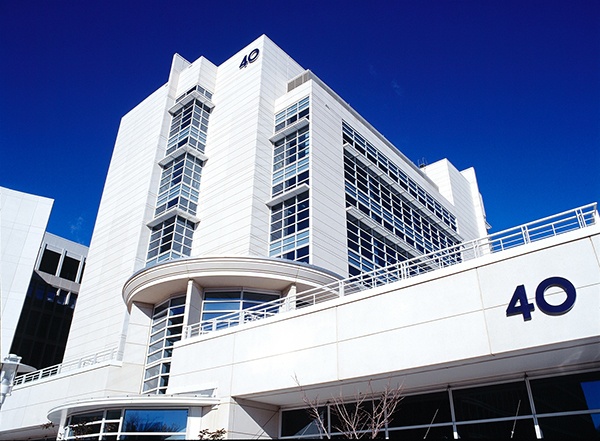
(353, 416)
(366, 413)
(384, 407)
(313, 410)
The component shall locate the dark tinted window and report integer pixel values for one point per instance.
(69, 268)
(497, 401)
(49, 263)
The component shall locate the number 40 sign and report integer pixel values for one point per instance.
(250, 58)
(519, 304)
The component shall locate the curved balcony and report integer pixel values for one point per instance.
(155, 284)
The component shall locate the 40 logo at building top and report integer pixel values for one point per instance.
(250, 58)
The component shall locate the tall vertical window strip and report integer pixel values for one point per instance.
(171, 239)
(180, 181)
(291, 161)
(189, 126)
(353, 138)
(167, 327)
(292, 114)
(179, 185)
(290, 229)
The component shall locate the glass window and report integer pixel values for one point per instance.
(69, 268)
(187, 129)
(177, 192)
(137, 423)
(511, 429)
(87, 417)
(499, 400)
(49, 262)
(290, 239)
(221, 303)
(582, 426)
(433, 432)
(572, 392)
(300, 423)
(291, 161)
(151, 420)
(353, 138)
(166, 246)
(292, 114)
(422, 409)
(569, 409)
(166, 330)
(388, 207)
(85, 426)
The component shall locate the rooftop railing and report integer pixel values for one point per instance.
(531, 232)
(88, 360)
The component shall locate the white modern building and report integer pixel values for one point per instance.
(260, 247)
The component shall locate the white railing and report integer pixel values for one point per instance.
(88, 360)
(544, 228)
(541, 229)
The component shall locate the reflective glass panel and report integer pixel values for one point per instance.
(300, 423)
(443, 432)
(497, 401)
(571, 392)
(153, 420)
(570, 427)
(86, 418)
(515, 429)
(422, 409)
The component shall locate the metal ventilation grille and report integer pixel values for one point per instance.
(301, 79)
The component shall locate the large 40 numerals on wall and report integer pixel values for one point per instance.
(250, 58)
(520, 305)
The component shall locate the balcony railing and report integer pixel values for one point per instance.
(534, 231)
(544, 228)
(88, 360)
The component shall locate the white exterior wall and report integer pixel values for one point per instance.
(481, 225)
(26, 410)
(201, 72)
(239, 169)
(237, 175)
(235, 183)
(444, 327)
(328, 198)
(120, 239)
(461, 189)
(23, 220)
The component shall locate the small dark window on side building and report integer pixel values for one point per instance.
(69, 268)
(49, 262)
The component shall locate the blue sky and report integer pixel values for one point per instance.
(511, 88)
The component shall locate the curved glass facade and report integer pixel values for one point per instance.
(167, 327)
(219, 303)
(231, 304)
(113, 424)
